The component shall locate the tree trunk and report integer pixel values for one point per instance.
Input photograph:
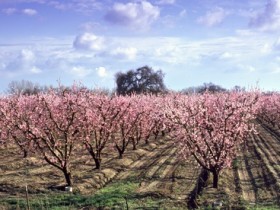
(156, 134)
(95, 156)
(68, 177)
(147, 141)
(215, 179)
(97, 162)
(121, 151)
(134, 147)
(134, 143)
(25, 153)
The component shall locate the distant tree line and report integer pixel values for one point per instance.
(210, 87)
(143, 80)
(146, 80)
(26, 87)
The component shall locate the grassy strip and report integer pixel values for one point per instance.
(118, 195)
(114, 195)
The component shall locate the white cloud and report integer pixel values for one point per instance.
(102, 72)
(55, 59)
(19, 62)
(245, 32)
(27, 55)
(89, 41)
(226, 55)
(9, 11)
(84, 6)
(213, 17)
(169, 54)
(35, 70)
(129, 53)
(247, 68)
(134, 14)
(266, 48)
(80, 71)
(29, 12)
(166, 2)
(251, 68)
(269, 19)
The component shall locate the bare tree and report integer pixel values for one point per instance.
(23, 87)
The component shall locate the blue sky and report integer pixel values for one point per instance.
(230, 42)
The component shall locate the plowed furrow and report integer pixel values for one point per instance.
(270, 142)
(269, 162)
(155, 153)
(188, 184)
(159, 163)
(168, 171)
(139, 167)
(268, 153)
(247, 187)
(152, 162)
(270, 130)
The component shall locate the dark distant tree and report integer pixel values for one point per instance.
(237, 88)
(142, 80)
(189, 90)
(210, 87)
(23, 87)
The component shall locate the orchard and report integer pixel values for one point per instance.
(209, 127)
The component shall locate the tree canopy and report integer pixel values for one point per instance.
(141, 80)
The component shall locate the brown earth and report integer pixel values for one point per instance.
(253, 181)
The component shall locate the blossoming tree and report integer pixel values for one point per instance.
(211, 127)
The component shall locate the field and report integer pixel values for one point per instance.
(150, 177)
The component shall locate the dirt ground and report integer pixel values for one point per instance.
(254, 179)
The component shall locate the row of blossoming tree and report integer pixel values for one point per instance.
(269, 109)
(210, 127)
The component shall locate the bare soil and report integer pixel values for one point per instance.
(253, 181)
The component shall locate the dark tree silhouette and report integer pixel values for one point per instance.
(142, 80)
(210, 87)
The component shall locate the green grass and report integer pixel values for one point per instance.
(113, 195)
(116, 195)
(262, 207)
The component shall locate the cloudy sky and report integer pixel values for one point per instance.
(227, 42)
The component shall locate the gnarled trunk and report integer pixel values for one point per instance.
(96, 156)
(215, 178)
(97, 162)
(134, 143)
(121, 151)
(68, 176)
(25, 153)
